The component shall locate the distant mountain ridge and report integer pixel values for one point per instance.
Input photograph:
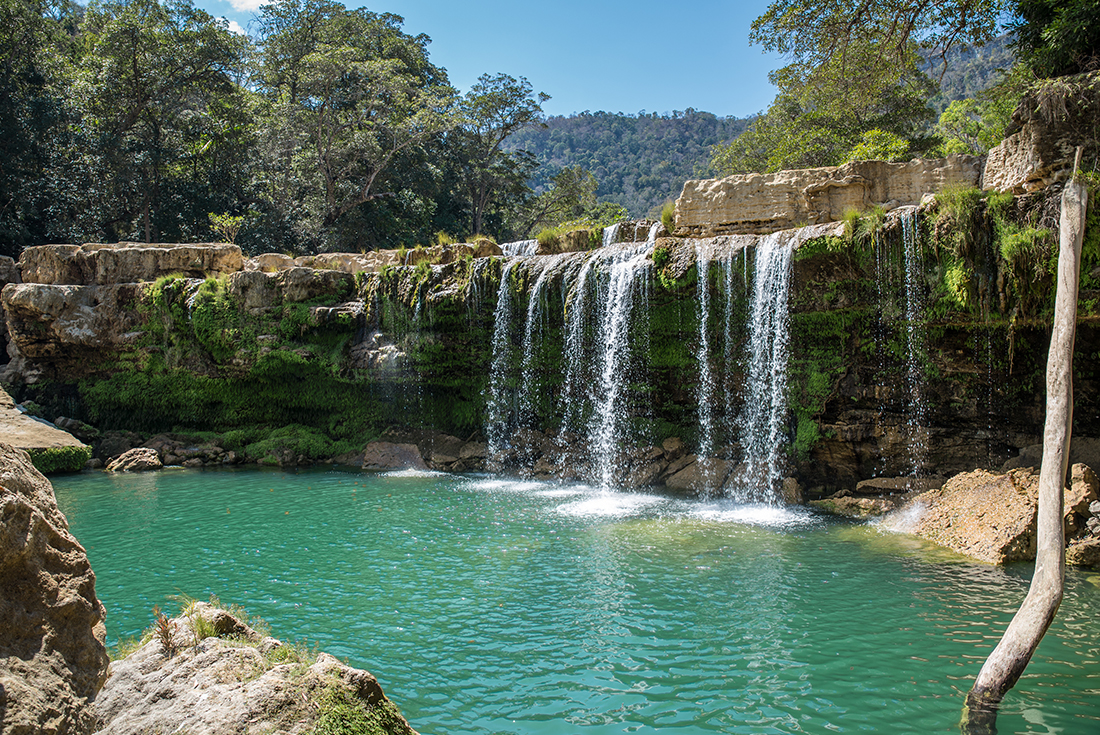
(640, 161)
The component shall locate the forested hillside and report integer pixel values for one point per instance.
(640, 161)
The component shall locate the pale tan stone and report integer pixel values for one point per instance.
(764, 203)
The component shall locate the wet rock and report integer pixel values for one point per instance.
(855, 507)
(389, 456)
(704, 476)
(790, 492)
(139, 459)
(896, 485)
(1084, 553)
(52, 654)
(1083, 450)
(673, 448)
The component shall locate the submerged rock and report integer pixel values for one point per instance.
(52, 654)
(220, 677)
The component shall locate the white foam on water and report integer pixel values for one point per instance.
(411, 472)
(756, 514)
(610, 505)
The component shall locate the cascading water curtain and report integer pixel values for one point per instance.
(705, 388)
(763, 422)
(500, 398)
(613, 352)
(917, 417)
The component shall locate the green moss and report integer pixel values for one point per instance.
(340, 712)
(60, 459)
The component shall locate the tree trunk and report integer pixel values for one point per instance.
(1007, 662)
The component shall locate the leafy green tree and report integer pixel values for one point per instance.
(823, 112)
(495, 108)
(155, 91)
(814, 33)
(35, 43)
(1058, 37)
(350, 95)
(976, 124)
(570, 195)
(879, 145)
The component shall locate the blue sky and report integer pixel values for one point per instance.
(590, 55)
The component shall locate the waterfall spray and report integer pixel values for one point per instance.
(765, 410)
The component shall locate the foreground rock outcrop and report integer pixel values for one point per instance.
(52, 655)
(992, 517)
(210, 672)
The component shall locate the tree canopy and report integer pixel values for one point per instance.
(331, 129)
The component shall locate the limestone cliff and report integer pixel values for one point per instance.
(762, 203)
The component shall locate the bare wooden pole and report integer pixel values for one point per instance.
(1007, 662)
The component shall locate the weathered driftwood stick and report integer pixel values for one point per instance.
(1007, 662)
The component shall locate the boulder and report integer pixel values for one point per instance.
(139, 459)
(992, 517)
(896, 485)
(71, 328)
(225, 679)
(673, 448)
(390, 456)
(52, 655)
(854, 507)
(764, 203)
(270, 262)
(1084, 553)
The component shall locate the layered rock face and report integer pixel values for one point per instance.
(211, 673)
(52, 655)
(763, 203)
(1040, 142)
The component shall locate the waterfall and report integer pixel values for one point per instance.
(610, 234)
(499, 398)
(623, 266)
(520, 247)
(765, 409)
(704, 390)
(535, 318)
(914, 342)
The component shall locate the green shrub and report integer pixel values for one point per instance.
(668, 216)
(60, 459)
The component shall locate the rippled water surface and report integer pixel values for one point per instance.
(492, 606)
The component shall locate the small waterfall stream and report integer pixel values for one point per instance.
(499, 408)
(623, 267)
(520, 248)
(916, 414)
(705, 388)
(764, 413)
